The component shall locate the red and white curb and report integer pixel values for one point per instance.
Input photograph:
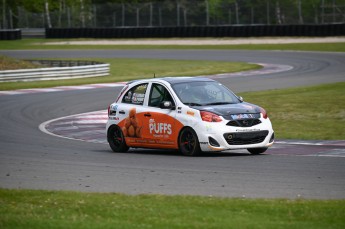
(90, 127)
(266, 69)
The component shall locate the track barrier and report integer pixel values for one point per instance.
(200, 31)
(10, 34)
(58, 70)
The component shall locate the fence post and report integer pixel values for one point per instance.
(207, 13)
(237, 17)
(268, 12)
(123, 14)
(151, 14)
(4, 14)
(178, 13)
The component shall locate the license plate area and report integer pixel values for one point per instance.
(244, 116)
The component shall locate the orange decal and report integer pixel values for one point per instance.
(150, 129)
(191, 113)
(130, 128)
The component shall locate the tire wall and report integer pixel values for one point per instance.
(200, 31)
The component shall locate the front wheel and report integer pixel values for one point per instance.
(257, 151)
(116, 139)
(188, 142)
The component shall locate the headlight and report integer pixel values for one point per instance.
(210, 117)
(263, 112)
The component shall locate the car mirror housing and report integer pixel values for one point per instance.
(166, 105)
(240, 98)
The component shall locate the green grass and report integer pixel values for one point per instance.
(60, 209)
(39, 44)
(316, 112)
(8, 63)
(129, 69)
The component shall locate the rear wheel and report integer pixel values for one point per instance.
(116, 139)
(188, 142)
(257, 151)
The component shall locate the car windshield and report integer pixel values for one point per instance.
(204, 93)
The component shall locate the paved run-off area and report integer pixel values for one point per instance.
(32, 159)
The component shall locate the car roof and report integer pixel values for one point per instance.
(176, 80)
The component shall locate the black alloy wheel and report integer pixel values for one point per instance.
(188, 142)
(116, 139)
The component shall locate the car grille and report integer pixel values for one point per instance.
(244, 122)
(246, 138)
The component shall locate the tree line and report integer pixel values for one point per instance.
(182, 12)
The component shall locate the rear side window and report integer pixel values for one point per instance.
(121, 92)
(135, 95)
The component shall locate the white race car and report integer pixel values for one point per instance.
(190, 114)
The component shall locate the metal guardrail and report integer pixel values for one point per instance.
(33, 32)
(73, 71)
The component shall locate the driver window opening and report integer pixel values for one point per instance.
(159, 94)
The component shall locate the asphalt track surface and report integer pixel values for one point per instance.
(32, 159)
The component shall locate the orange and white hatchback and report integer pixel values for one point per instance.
(190, 114)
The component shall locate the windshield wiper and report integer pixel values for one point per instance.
(193, 104)
(217, 103)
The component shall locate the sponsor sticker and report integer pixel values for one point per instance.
(208, 127)
(242, 116)
(247, 130)
(141, 130)
(114, 118)
(191, 113)
(160, 129)
(138, 98)
(114, 107)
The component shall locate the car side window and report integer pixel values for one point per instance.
(135, 95)
(159, 94)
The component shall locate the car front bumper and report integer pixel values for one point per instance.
(219, 137)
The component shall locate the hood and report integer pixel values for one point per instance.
(228, 109)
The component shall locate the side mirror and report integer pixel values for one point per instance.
(166, 105)
(240, 98)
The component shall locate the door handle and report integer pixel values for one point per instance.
(147, 115)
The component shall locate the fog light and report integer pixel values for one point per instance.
(272, 138)
(213, 142)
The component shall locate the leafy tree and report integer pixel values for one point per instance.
(83, 13)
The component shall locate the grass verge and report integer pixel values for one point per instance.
(40, 44)
(60, 209)
(316, 112)
(8, 63)
(129, 69)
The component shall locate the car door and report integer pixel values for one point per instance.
(162, 126)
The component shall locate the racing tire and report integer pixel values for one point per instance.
(116, 139)
(257, 151)
(188, 142)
